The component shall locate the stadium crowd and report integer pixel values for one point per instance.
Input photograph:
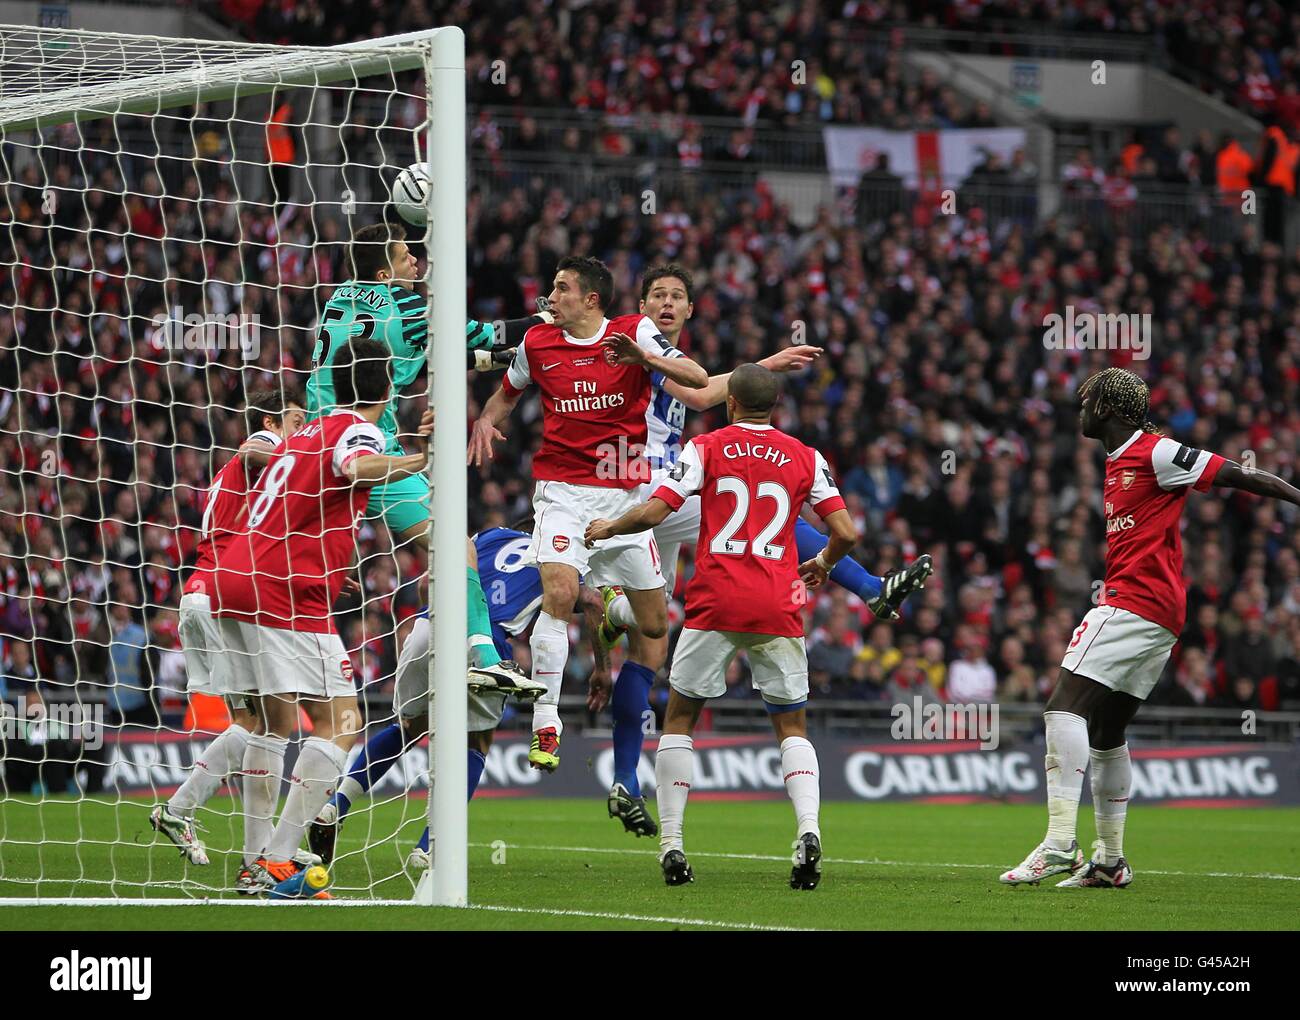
(949, 423)
(732, 58)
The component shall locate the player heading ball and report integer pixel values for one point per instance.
(596, 378)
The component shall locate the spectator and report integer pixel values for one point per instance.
(879, 194)
(1234, 168)
(971, 679)
(281, 152)
(131, 692)
(1193, 682)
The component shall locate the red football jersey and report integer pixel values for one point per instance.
(223, 516)
(1147, 480)
(752, 480)
(594, 414)
(301, 529)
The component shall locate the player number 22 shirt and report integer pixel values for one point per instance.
(752, 480)
(1147, 481)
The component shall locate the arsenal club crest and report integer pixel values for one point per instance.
(1126, 478)
(561, 542)
(1110, 509)
(345, 667)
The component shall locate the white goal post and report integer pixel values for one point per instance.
(54, 79)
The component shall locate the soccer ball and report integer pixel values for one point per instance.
(411, 194)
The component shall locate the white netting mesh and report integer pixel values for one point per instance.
(155, 268)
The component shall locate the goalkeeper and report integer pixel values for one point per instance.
(381, 302)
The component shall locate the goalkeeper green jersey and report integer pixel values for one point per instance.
(380, 311)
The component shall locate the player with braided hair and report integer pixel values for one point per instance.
(1118, 652)
(1124, 392)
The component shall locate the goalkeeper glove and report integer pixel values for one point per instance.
(493, 360)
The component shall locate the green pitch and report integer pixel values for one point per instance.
(561, 864)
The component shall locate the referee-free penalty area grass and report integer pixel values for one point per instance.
(562, 864)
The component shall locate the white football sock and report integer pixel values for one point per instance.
(315, 776)
(1112, 781)
(1066, 762)
(674, 772)
(222, 757)
(263, 769)
(550, 648)
(799, 766)
(620, 612)
(351, 789)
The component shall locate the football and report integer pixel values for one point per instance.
(411, 194)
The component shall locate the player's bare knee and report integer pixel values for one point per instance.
(654, 629)
(281, 716)
(480, 741)
(651, 652)
(790, 724)
(415, 727)
(417, 537)
(682, 713)
(1074, 694)
(559, 599)
(1104, 737)
(651, 612)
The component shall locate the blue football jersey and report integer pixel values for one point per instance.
(513, 590)
(664, 424)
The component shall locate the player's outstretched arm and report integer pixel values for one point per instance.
(1232, 475)
(843, 536)
(485, 431)
(256, 454)
(789, 360)
(379, 469)
(621, 348)
(643, 517)
(502, 333)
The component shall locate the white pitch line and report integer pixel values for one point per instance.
(733, 925)
(109, 901)
(871, 861)
(101, 901)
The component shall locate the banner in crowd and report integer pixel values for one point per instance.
(928, 160)
(749, 768)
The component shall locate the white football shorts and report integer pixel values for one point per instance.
(562, 512)
(207, 666)
(678, 529)
(1119, 650)
(411, 691)
(271, 661)
(779, 664)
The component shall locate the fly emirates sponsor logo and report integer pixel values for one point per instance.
(734, 451)
(586, 398)
(1114, 524)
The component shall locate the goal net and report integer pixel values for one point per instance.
(174, 215)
